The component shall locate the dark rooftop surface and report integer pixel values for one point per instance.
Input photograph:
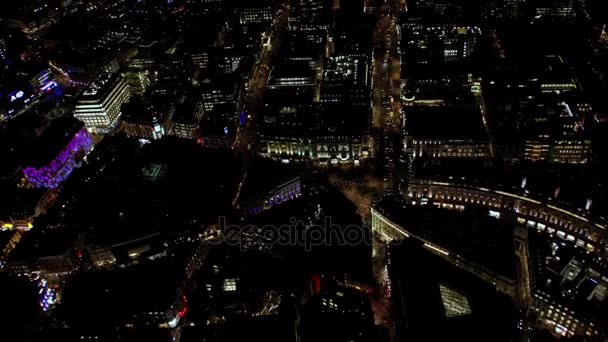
(137, 110)
(445, 123)
(416, 276)
(264, 176)
(20, 296)
(316, 121)
(18, 203)
(54, 140)
(5, 237)
(472, 234)
(44, 242)
(108, 297)
(268, 328)
(221, 117)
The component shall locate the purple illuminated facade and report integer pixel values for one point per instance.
(283, 193)
(58, 170)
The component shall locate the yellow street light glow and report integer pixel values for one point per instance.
(392, 225)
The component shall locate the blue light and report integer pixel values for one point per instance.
(243, 118)
(226, 130)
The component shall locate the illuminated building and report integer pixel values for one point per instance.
(501, 9)
(433, 299)
(62, 148)
(464, 238)
(566, 291)
(558, 137)
(142, 121)
(99, 105)
(571, 151)
(454, 303)
(217, 93)
(101, 256)
(256, 14)
(531, 213)
(346, 79)
(3, 56)
(43, 82)
(292, 76)
(309, 10)
(327, 135)
(46, 295)
(186, 120)
(346, 66)
(459, 42)
(137, 80)
(537, 149)
(186, 127)
(8, 245)
(447, 133)
(200, 59)
(559, 8)
(286, 191)
(323, 149)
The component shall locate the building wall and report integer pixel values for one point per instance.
(58, 170)
(529, 212)
(102, 115)
(550, 314)
(186, 130)
(282, 193)
(388, 231)
(571, 151)
(330, 149)
(451, 148)
(256, 15)
(561, 319)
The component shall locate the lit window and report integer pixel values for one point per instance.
(230, 285)
(455, 303)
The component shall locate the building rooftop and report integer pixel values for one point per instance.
(41, 242)
(562, 185)
(472, 233)
(18, 203)
(568, 276)
(436, 300)
(100, 87)
(221, 120)
(319, 120)
(54, 139)
(109, 298)
(445, 123)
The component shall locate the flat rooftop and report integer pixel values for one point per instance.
(316, 120)
(435, 300)
(109, 297)
(100, 87)
(472, 233)
(445, 123)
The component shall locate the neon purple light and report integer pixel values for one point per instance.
(58, 170)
